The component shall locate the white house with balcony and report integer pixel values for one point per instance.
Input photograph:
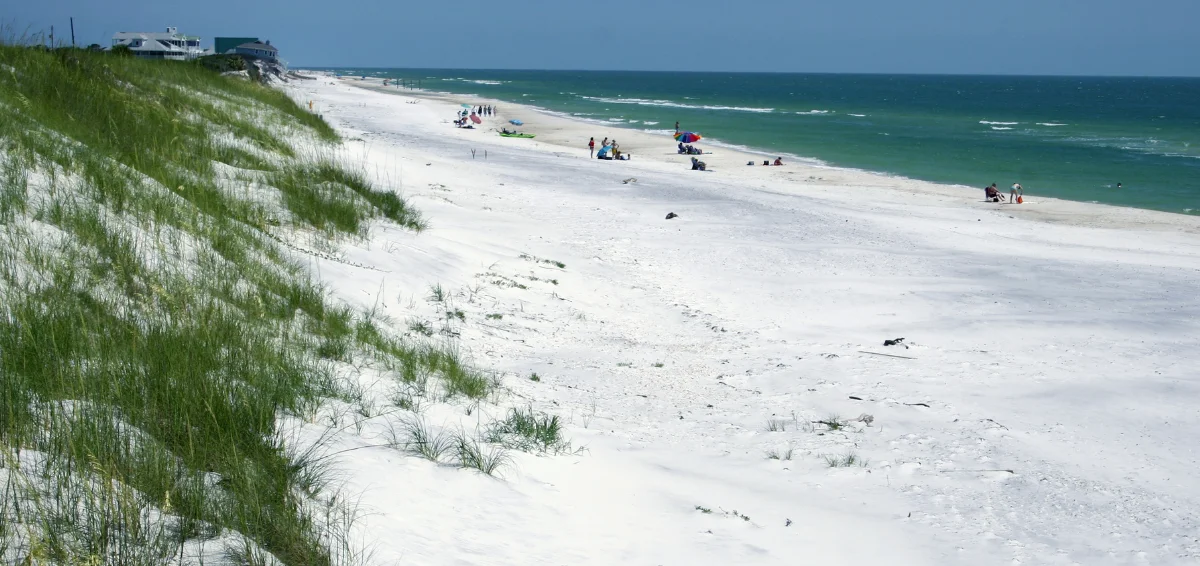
(161, 45)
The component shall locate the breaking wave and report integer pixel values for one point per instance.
(998, 123)
(670, 104)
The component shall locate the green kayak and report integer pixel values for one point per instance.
(517, 135)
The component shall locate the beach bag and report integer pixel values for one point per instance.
(1020, 199)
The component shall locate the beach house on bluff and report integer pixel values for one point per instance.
(160, 45)
(258, 50)
(228, 45)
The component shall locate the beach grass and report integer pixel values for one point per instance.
(154, 329)
(528, 430)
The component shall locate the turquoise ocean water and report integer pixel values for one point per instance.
(1067, 137)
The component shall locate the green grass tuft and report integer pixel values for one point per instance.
(529, 431)
(847, 460)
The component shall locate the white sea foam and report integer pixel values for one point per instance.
(1001, 128)
(813, 112)
(650, 123)
(670, 104)
(616, 119)
(486, 82)
(998, 123)
(1051, 124)
(858, 115)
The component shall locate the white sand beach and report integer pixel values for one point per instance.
(1040, 410)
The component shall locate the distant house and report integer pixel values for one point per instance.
(228, 45)
(258, 50)
(160, 45)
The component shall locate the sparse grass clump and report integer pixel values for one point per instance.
(785, 454)
(847, 460)
(437, 294)
(424, 442)
(529, 431)
(484, 458)
(535, 259)
(832, 422)
(420, 327)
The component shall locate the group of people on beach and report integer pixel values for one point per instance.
(609, 150)
(463, 120)
(1016, 194)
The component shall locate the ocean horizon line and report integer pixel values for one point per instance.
(752, 73)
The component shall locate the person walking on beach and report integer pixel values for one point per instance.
(1015, 192)
(677, 126)
(591, 148)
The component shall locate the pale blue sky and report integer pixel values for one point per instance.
(1078, 37)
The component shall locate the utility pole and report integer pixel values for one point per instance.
(72, 31)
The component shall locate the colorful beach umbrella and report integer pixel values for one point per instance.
(687, 137)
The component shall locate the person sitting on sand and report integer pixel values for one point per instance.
(993, 194)
(778, 161)
(681, 148)
(698, 165)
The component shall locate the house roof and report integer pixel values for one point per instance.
(258, 45)
(155, 35)
(154, 46)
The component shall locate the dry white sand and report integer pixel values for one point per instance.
(1044, 412)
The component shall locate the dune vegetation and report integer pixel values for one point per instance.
(155, 328)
